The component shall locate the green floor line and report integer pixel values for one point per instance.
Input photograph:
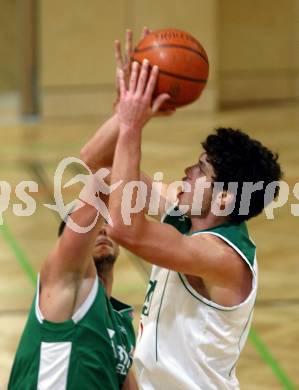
(20, 255)
(269, 359)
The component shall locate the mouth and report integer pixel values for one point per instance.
(103, 241)
(181, 188)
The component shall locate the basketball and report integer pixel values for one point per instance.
(183, 64)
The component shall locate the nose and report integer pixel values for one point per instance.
(103, 231)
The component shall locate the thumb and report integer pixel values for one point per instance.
(168, 111)
(159, 101)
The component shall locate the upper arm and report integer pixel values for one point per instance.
(99, 150)
(205, 256)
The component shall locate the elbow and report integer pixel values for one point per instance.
(117, 234)
(125, 236)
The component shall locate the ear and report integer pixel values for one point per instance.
(224, 198)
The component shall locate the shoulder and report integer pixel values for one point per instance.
(227, 258)
(122, 309)
(215, 245)
(230, 283)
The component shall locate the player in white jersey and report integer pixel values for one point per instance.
(201, 294)
(186, 340)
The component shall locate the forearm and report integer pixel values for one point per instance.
(134, 110)
(77, 243)
(99, 150)
(130, 382)
(73, 251)
(126, 167)
(71, 258)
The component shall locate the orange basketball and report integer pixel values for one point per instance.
(183, 64)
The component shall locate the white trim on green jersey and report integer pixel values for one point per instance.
(81, 311)
(55, 356)
(54, 365)
(92, 350)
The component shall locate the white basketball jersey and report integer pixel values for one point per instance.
(185, 341)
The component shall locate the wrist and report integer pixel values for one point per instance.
(115, 105)
(114, 120)
(129, 128)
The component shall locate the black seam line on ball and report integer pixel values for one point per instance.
(177, 76)
(170, 46)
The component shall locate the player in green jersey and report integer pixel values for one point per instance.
(77, 336)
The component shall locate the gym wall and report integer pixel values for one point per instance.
(253, 47)
(77, 59)
(258, 51)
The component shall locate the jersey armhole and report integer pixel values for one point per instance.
(86, 305)
(166, 213)
(81, 311)
(215, 305)
(38, 313)
(240, 253)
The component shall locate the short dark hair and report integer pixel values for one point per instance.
(63, 221)
(235, 157)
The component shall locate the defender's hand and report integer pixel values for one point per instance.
(124, 62)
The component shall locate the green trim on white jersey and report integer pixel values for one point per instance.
(186, 341)
(235, 234)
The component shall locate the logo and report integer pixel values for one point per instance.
(124, 359)
(94, 184)
(149, 297)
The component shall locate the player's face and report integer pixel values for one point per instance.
(202, 170)
(104, 246)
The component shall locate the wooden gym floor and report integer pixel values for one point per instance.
(32, 152)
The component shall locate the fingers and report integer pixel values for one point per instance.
(152, 81)
(158, 102)
(129, 43)
(134, 77)
(143, 77)
(145, 32)
(121, 82)
(128, 49)
(142, 85)
(117, 54)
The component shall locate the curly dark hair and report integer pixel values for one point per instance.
(236, 157)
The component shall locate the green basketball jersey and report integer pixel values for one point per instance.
(92, 350)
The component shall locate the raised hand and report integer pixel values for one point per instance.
(124, 62)
(136, 105)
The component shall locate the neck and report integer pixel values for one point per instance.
(107, 279)
(205, 223)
